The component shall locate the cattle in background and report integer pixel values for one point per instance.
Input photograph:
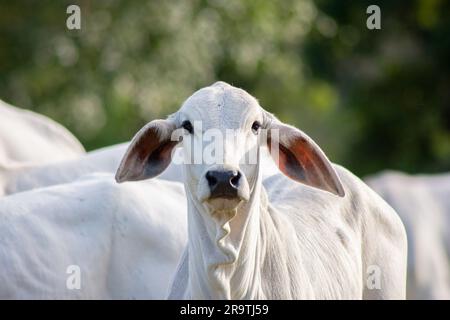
(423, 203)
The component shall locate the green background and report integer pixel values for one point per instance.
(372, 99)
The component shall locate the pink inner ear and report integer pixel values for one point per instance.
(292, 164)
(160, 159)
(309, 160)
(282, 162)
(148, 154)
(302, 161)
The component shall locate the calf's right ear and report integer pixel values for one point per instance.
(301, 159)
(149, 153)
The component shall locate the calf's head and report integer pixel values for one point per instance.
(221, 129)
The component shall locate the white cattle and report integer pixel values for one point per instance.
(23, 177)
(92, 239)
(330, 237)
(26, 136)
(423, 203)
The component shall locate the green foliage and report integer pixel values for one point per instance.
(373, 99)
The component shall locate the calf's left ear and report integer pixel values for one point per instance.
(301, 159)
(149, 153)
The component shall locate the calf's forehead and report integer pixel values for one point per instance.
(221, 106)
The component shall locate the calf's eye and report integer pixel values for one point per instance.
(187, 125)
(256, 126)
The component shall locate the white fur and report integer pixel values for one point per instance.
(295, 242)
(423, 203)
(27, 176)
(26, 136)
(125, 238)
(287, 240)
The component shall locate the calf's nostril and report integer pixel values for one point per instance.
(212, 181)
(235, 179)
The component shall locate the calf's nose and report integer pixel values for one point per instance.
(223, 183)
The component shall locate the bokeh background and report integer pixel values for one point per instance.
(372, 99)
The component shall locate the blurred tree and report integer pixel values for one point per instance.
(371, 98)
(394, 83)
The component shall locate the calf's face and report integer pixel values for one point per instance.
(220, 130)
(221, 126)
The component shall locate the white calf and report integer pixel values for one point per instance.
(330, 237)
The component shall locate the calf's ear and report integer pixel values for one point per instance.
(301, 159)
(149, 153)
